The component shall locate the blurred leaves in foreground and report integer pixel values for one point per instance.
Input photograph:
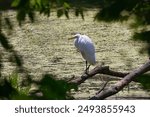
(145, 81)
(4, 42)
(145, 37)
(121, 10)
(49, 88)
(9, 88)
(55, 89)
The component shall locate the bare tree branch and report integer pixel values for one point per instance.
(97, 70)
(120, 84)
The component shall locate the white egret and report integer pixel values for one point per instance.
(86, 47)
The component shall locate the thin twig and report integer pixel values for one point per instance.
(101, 89)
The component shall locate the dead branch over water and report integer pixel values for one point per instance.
(126, 79)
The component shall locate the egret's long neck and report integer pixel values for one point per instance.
(76, 41)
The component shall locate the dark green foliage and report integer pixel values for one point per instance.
(6, 89)
(55, 89)
(142, 11)
(1, 66)
(19, 93)
(21, 16)
(64, 10)
(24, 9)
(145, 81)
(50, 88)
(43, 6)
(15, 57)
(143, 36)
(79, 12)
(112, 10)
(85, 3)
(119, 10)
(59, 13)
(5, 4)
(8, 23)
(28, 8)
(4, 42)
(67, 14)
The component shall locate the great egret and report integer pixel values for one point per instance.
(86, 47)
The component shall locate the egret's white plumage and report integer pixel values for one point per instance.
(85, 45)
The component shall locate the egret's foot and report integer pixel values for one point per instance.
(86, 71)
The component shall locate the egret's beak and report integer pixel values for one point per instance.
(71, 38)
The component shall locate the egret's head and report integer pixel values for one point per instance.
(77, 35)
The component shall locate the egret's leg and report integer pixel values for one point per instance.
(87, 67)
(86, 64)
(85, 72)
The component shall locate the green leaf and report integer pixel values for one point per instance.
(4, 42)
(66, 5)
(31, 16)
(39, 2)
(33, 2)
(79, 11)
(55, 89)
(15, 3)
(6, 88)
(59, 3)
(67, 14)
(60, 13)
(112, 10)
(13, 78)
(21, 16)
(145, 81)
(143, 36)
